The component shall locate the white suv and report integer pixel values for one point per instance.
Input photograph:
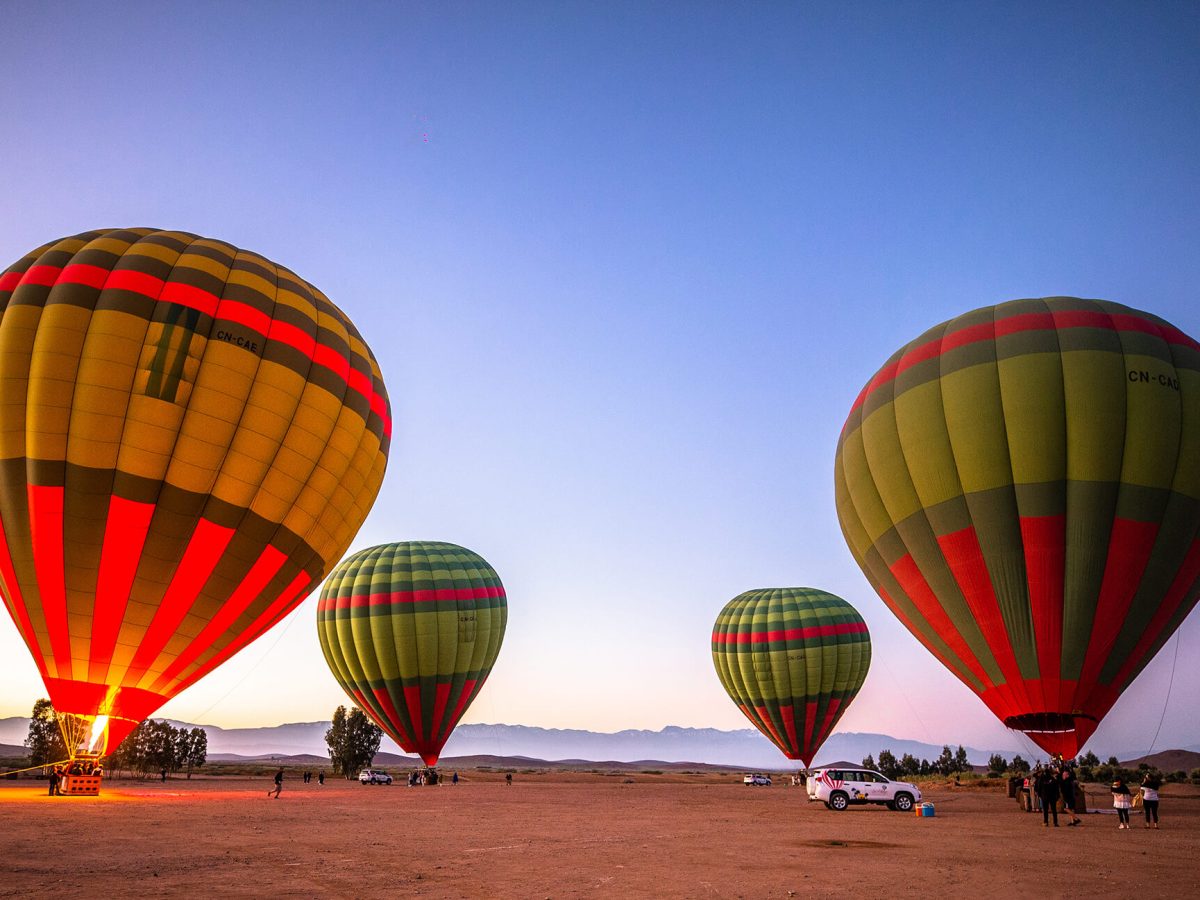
(838, 788)
(757, 778)
(373, 776)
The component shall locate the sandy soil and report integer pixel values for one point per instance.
(567, 835)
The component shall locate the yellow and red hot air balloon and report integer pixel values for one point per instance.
(1021, 485)
(191, 436)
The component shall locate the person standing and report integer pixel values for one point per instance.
(454, 779)
(1121, 802)
(1150, 786)
(54, 777)
(278, 785)
(321, 777)
(1047, 791)
(1068, 786)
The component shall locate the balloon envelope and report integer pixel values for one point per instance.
(1021, 485)
(411, 631)
(191, 436)
(792, 659)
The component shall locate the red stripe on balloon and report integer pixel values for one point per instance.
(46, 534)
(269, 562)
(1044, 542)
(412, 699)
(765, 717)
(135, 282)
(440, 699)
(190, 296)
(790, 634)
(393, 717)
(964, 557)
(429, 595)
(906, 572)
(810, 724)
(82, 273)
(1129, 547)
(788, 714)
(124, 536)
(204, 549)
(827, 725)
(9, 281)
(43, 276)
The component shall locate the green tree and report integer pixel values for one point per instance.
(944, 764)
(997, 765)
(353, 741)
(909, 765)
(1018, 765)
(44, 741)
(888, 766)
(1113, 761)
(869, 762)
(1089, 759)
(961, 763)
(191, 748)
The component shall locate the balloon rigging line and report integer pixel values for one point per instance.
(904, 693)
(31, 768)
(279, 637)
(1167, 699)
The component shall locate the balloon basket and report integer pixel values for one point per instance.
(80, 785)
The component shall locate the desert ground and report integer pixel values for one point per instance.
(569, 835)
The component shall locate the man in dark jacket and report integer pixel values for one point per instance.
(1047, 791)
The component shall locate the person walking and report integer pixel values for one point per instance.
(1047, 791)
(1068, 785)
(278, 785)
(1149, 788)
(1121, 802)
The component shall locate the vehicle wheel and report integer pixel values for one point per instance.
(838, 800)
(903, 802)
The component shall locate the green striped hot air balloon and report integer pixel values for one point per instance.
(411, 631)
(1021, 485)
(792, 659)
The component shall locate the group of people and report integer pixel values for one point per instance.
(308, 777)
(76, 767)
(1123, 800)
(419, 777)
(1051, 782)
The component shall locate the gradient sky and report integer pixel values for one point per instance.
(625, 267)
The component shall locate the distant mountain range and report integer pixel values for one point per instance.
(742, 748)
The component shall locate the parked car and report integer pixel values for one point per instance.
(838, 788)
(757, 778)
(374, 776)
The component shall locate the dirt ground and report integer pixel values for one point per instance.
(568, 835)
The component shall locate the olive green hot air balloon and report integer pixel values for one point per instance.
(792, 659)
(410, 631)
(1021, 485)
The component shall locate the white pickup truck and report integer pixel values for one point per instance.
(838, 788)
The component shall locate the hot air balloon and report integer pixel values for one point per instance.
(792, 659)
(191, 436)
(411, 631)
(1021, 485)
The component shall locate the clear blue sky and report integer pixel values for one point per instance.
(625, 267)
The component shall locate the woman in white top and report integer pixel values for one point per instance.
(1150, 786)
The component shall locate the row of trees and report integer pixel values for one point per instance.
(948, 763)
(353, 741)
(156, 745)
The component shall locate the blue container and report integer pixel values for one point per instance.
(927, 810)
